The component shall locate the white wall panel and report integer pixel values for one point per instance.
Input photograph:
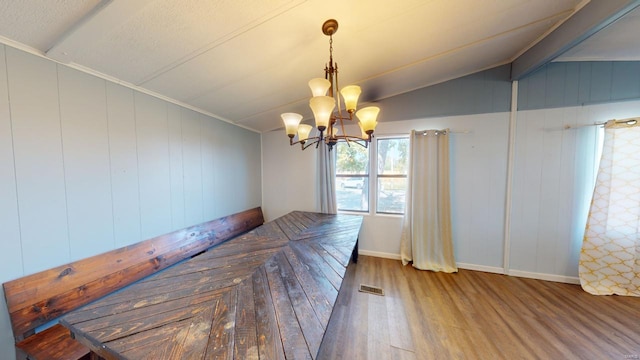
(478, 182)
(83, 113)
(192, 165)
(478, 148)
(237, 173)
(154, 171)
(526, 192)
(175, 160)
(35, 117)
(124, 165)
(249, 176)
(553, 181)
(209, 168)
(288, 176)
(11, 254)
(223, 169)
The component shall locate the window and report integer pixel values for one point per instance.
(388, 175)
(352, 177)
(391, 176)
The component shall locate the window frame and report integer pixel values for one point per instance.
(372, 176)
(365, 176)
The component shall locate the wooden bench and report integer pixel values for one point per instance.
(40, 298)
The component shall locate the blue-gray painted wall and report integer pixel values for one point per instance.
(484, 92)
(564, 84)
(557, 84)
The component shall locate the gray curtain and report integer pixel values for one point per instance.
(426, 229)
(326, 180)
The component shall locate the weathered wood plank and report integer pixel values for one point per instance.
(58, 344)
(330, 260)
(329, 228)
(312, 258)
(293, 341)
(308, 322)
(271, 230)
(175, 340)
(317, 272)
(246, 338)
(149, 293)
(286, 229)
(221, 337)
(341, 253)
(303, 222)
(135, 319)
(269, 343)
(322, 303)
(212, 262)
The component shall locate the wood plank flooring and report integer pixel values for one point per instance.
(474, 315)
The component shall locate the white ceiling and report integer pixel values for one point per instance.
(247, 61)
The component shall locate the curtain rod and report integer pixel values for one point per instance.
(424, 132)
(629, 121)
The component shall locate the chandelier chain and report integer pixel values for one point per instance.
(331, 50)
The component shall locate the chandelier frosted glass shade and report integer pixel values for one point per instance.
(367, 117)
(322, 107)
(350, 95)
(291, 122)
(319, 86)
(303, 132)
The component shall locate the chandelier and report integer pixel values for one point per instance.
(330, 123)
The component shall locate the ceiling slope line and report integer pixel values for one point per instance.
(468, 45)
(590, 19)
(565, 14)
(220, 41)
(40, 54)
(104, 17)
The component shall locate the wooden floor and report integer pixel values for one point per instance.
(475, 315)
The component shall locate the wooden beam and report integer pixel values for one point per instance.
(593, 17)
(106, 16)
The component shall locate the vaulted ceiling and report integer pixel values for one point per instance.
(247, 61)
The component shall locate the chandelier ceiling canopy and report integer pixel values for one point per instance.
(329, 111)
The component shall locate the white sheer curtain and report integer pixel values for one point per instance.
(426, 229)
(326, 180)
(610, 256)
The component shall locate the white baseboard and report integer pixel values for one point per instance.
(547, 277)
(484, 268)
(379, 254)
(489, 269)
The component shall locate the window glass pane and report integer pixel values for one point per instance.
(352, 193)
(392, 175)
(352, 180)
(391, 195)
(392, 156)
(351, 160)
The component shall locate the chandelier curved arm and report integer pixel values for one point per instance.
(307, 142)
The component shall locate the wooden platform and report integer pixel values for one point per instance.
(266, 294)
